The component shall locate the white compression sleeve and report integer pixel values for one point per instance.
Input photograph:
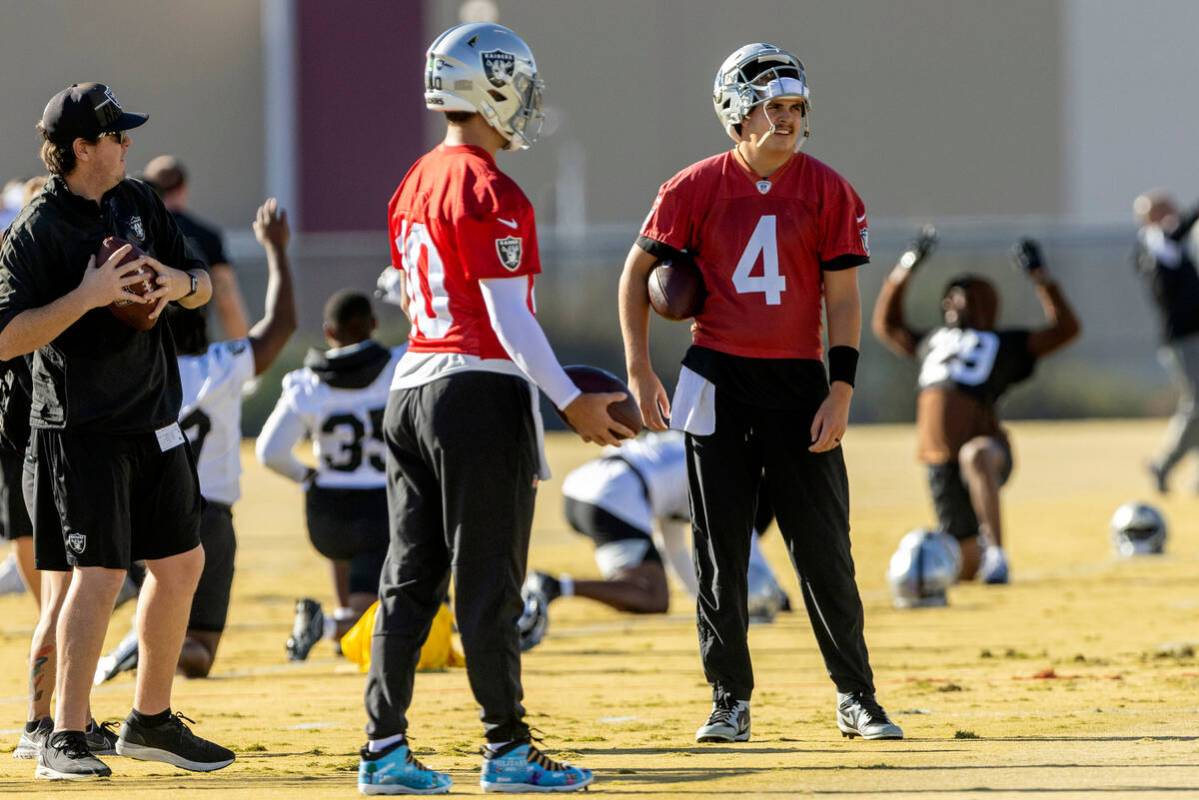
(277, 441)
(521, 335)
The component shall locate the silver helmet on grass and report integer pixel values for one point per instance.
(486, 68)
(1138, 529)
(754, 74)
(923, 568)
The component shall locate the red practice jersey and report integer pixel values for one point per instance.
(456, 220)
(762, 246)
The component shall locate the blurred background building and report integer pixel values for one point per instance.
(992, 120)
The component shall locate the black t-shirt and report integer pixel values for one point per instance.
(1167, 266)
(98, 376)
(781, 384)
(984, 364)
(205, 239)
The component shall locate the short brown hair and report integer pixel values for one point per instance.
(59, 158)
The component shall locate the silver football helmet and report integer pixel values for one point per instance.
(754, 74)
(764, 596)
(1138, 529)
(534, 619)
(923, 568)
(486, 68)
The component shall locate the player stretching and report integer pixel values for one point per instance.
(775, 233)
(965, 365)
(337, 399)
(213, 378)
(462, 429)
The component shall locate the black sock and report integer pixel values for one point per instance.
(149, 720)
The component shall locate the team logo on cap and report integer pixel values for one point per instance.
(509, 251)
(76, 541)
(498, 66)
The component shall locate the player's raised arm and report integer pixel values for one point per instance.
(634, 326)
(889, 323)
(1063, 323)
(270, 334)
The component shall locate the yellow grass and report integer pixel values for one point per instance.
(623, 695)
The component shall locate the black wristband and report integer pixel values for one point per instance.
(842, 364)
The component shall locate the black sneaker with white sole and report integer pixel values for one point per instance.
(32, 740)
(173, 743)
(65, 757)
(859, 714)
(728, 722)
(102, 738)
(307, 629)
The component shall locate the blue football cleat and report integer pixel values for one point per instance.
(521, 767)
(396, 771)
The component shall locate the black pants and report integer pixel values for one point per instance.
(810, 496)
(210, 603)
(461, 461)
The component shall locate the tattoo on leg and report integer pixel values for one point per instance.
(37, 671)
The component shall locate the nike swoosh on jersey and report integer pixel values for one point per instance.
(862, 218)
(510, 223)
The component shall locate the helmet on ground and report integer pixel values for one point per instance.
(752, 75)
(765, 597)
(924, 566)
(486, 68)
(534, 619)
(1138, 529)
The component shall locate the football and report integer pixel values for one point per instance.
(596, 380)
(135, 315)
(676, 289)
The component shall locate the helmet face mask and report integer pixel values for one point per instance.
(487, 69)
(752, 75)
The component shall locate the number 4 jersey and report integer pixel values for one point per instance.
(762, 246)
(963, 372)
(337, 399)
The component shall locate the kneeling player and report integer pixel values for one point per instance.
(632, 503)
(337, 398)
(965, 366)
(213, 377)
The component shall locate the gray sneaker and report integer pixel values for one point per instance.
(172, 742)
(102, 738)
(728, 722)
(32, 741)
(65, 757)
(859, 714)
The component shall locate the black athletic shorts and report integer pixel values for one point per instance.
(107, 501)
(210, 605)
(951, 497)
(605, 528)
(351, 525)
(14, 515)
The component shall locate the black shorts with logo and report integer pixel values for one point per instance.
(14, 515)
(107, 501)
(351, 525)
(210, 604)
(951, 497)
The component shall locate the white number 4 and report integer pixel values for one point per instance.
(770, 282)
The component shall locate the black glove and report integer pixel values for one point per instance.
(920, 247)
(1026, 255)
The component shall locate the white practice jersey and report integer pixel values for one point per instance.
(211, 414)
(345, 425)
(660, 459)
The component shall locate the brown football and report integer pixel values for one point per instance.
(135, 315)
(596, 380)
(676, 288)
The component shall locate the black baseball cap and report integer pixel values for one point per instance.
(86, 110)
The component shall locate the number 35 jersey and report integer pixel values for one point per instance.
(337, 399)
(762, 247)
(211, 414)
(963, 372)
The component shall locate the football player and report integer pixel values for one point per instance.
(462, 427)
(632, 503)
(777, 235)
(214, 376)
(965, 366)
(337, 400)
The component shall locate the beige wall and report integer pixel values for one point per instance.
(931, 107)
(193, 65)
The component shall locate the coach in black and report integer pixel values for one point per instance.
(112, 479)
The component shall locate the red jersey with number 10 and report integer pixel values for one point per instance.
(455, 220)
(762, 246)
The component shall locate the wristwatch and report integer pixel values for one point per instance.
(195, 284)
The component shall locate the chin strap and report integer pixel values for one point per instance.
(807, 130)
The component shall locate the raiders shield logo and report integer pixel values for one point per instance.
(137, 231)
(498, 66)
(76, 541)
(509, 251)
